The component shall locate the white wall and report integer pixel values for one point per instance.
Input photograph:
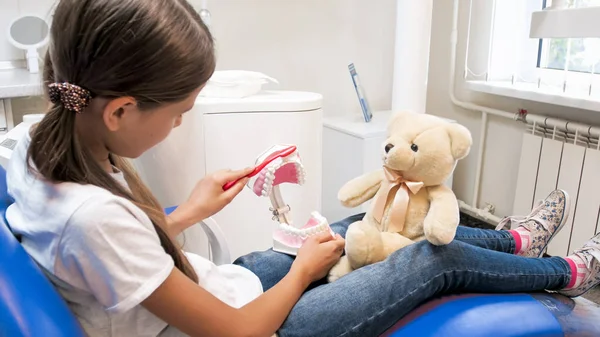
(308, 44)
(503, 146)
(305, 44)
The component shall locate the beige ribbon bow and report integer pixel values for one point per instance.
(399, 206)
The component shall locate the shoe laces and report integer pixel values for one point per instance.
(515, 221)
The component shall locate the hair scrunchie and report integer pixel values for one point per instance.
(71, 96)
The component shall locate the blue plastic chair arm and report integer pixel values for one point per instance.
(216, 239)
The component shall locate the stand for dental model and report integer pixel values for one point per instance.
(281, 210)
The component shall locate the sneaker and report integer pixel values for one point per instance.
(544, 221)
(587, 261)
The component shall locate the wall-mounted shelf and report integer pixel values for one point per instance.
(530, 91)
(15, 83)
(19, 83)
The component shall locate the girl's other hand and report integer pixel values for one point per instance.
(318, 255)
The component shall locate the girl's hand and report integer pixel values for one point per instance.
(208, 198)
(318, 255)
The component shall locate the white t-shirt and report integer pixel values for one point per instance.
(103, 255)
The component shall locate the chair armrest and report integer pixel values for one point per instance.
(216, 239)
(219, 249)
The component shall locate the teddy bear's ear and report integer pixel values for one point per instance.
(460, 139)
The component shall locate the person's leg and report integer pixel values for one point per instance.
(532, 233)
(537, 229)
(585, 266)
(369, 300)
(271, 266)
(498, 240)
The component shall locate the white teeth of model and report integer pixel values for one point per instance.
(266, 187)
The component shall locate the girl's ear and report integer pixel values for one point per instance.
(116, 109)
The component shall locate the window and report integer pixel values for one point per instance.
(528, 68)
(579, 55)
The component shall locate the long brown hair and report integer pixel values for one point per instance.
(157, 51)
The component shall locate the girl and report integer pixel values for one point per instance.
(120, 74)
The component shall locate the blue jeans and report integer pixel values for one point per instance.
(371, 299)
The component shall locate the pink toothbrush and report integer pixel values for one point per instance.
(278, 154)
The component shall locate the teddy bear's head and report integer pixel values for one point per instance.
(424, 148)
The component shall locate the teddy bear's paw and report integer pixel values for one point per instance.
(339, 269)
(363, 244)
(439, 234)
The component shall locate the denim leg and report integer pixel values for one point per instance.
(271, 266)
(369, 300)
(500, 241)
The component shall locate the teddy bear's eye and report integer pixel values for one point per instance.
(414, 147)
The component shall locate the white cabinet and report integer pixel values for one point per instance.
(231, 133)
(234, 141)
(351, 148)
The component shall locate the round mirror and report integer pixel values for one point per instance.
(29, 32)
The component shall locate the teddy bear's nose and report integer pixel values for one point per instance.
(388, 147)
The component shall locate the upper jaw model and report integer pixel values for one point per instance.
(287, 238)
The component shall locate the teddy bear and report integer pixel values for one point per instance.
(410, 201)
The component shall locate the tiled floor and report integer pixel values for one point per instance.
(466, 220)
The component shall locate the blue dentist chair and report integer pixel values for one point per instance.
(29, 304)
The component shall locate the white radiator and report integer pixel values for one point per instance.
(551, 159)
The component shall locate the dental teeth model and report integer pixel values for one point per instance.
(287, 238)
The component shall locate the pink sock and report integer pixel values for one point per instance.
(579, 271)
(522, 238)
